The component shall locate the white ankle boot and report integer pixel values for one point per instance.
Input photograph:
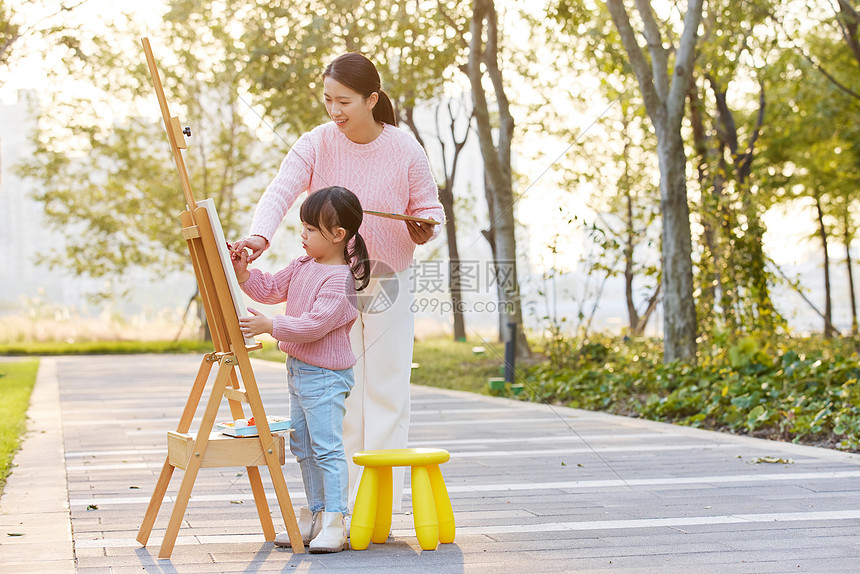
(332, 537)
(309, 525)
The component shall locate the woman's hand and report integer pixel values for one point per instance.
(420, 232)
(256, 243)
(255, 325)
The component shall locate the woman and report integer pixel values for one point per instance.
(362, 150)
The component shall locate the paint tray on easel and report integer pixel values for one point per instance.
(247, 428)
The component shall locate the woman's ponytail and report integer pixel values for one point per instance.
(383, 111)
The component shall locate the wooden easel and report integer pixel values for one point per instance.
(231, 352)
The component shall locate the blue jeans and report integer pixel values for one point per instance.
(317, 397)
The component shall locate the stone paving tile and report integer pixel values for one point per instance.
(630, 496)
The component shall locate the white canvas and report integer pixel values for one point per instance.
(226, 263)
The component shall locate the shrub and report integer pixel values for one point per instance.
(800, 389)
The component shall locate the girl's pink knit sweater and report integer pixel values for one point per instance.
(320, 310)
(389, 174)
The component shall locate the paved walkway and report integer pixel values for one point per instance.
(534, 489)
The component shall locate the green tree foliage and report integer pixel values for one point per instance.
(108, 181)
(10, 31)
(814, 153)
(848, 19)
(416, 45)
(743, 127)
(484, 62)
(727, 115)
(288, 45)
(14, 27)
(660, 48)
(117, 205)
(104, 169)
(617, 158)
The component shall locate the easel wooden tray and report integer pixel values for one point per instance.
(221, 451)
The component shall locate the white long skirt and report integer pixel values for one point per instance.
(378, 410)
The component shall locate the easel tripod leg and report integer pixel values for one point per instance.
(252, 471)
(155, 503)
(167, 469)
(179, 508)
(196, 393)
(196, 461)
(272, 461)
(285, 504)
(261, 502)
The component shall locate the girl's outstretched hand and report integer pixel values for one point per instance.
(256, 243)
(240, 261)
(256, 325)
(419, 232)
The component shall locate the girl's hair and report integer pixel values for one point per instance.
(359, 74)
(335, 206)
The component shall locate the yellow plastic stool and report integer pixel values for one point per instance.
(431, 507)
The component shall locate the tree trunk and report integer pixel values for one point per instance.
(727, 241)
(712, 185)
(679, 310)
(664, 94)
(506, 270)
(828, 305)
(637, 322)
(848, 264)
(847, 238)
(629, 230)
(850, 23)
(490, 235)
(497, 163)
(639, 330)
(632, 314)
(747, 253)
(446, 198)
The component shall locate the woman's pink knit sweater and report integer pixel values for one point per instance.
(389, 174)
(320, 310)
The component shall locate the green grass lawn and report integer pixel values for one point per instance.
(37, 348)
(269, 352)
(16, 383)
(440, 363)
(451, 364)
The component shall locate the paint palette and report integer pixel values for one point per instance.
(402, 217)
(247, 428)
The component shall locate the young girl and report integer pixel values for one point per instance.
(319, 290)
(386, 167)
